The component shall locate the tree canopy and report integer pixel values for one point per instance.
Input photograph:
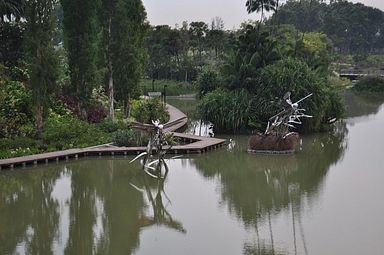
(353, 27)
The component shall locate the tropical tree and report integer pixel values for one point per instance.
(216, 35)
(261, 6)
(11, 9)
(41, 55)
(186, 39)
(255, 49)
(198, 31)
(158, 41)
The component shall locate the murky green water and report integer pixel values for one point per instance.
(325, 199)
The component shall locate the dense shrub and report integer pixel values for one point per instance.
(238, 109)
(228, 110)
(109, 126)
(207, 81)
(370, 84)
(70, 104)
(20, 146)
(295, 76)
(18, 142)
(15, 108)
(125, 137)
(66, 131)
(18, 152)
(96, 113)
(145, 111)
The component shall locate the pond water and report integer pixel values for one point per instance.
(325, 199)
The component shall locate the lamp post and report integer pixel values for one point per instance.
(164, 94)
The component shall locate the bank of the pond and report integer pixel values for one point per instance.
(178, 120)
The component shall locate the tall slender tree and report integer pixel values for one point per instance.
(41, 54)
(128, 54)
(80, 39)
(107, 14)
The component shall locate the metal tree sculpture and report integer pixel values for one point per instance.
(276, 137)
(158, 145)
(288, 117)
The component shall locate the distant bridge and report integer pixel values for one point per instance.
(354, 75)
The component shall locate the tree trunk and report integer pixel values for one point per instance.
(39, 120)
(110, 75)
(111, 92)
(126, 108)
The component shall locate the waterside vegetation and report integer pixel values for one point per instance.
(78, 82)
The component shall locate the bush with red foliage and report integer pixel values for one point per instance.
(96, 114)
(70, 103)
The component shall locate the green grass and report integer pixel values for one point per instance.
(174, 88)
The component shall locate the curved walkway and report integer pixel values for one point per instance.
(195, 144)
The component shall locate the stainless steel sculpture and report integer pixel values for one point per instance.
(277, 137)
(158, 145)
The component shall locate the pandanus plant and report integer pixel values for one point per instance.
(158, 145)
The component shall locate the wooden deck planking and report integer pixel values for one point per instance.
(177, 120)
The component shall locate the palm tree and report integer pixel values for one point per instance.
(9, 8)
(261, 6)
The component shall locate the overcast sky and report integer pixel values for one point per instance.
(233, 12)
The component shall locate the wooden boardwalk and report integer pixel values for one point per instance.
(195, 144)
(354, 75)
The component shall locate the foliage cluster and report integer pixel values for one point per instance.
(353, 27)
(179, 53)
(67, 131)
(129, 137)
(264, 69)
(76, 45)
(230, 111)
(95, 111)
(295, 76)
(145, 111)
(15, 109)
(207, 81)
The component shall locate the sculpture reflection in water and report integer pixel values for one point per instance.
(155, 194)
(158, 145)
(259, 188)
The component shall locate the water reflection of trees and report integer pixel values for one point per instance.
(256, 187)
(106, 214)
(28, 213)
(359, 104)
